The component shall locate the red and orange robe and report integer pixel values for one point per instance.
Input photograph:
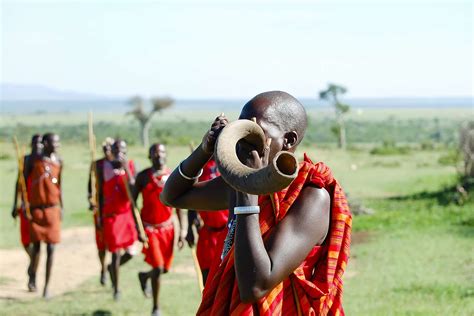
(212, 234)
(45, 201)
(119, 225)
(158, 223)
(315, 287)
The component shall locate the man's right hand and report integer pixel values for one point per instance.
(210, 138)
(14, 212)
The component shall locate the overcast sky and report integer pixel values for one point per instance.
(236, 49)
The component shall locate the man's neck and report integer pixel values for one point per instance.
(158, 169)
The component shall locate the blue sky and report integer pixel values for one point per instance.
(236, 49)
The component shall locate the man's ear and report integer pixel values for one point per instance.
(290, 140)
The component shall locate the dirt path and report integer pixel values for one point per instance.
(68, 272)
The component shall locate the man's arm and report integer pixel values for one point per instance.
(181, 237)
(15, 199)
(261, 265)
(183, 193)
(140, 183)
(89, 189)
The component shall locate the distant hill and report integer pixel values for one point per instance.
(16, 92)
(23, 99)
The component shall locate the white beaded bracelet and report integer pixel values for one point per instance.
(185, 176)
(239, 210)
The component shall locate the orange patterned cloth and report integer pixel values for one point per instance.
(315, 287)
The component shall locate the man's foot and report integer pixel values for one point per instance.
(31, 283)
(46, 295)
(155, 312)
(117, 295)
(102, 277)
(142, 277)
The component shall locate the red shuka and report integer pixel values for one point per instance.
(158, 223)
(45, 201)
(119, 226)
(212, 234)
(99, 230)
(315, 287)
(25, 235)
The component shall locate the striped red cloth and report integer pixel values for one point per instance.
(315, 287)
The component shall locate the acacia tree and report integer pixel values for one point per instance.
(144, 117)
(332, 94)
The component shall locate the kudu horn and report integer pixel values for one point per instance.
(279, 173)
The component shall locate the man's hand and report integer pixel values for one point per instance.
(180, 242)
(210, 138)
(190, 237)
(14, 212)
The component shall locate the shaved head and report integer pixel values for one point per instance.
(279, 109)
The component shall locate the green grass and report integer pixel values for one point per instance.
(418, 259)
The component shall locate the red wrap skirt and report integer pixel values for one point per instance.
(46, 224)
(159, 253)
(209, 245)
(119, 231)
(24, 228)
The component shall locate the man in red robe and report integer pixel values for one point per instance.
(157, 220)
(120, 232)
(285, 253)
(213, 228)
(36, 151)
(45, 204)
(99, 200)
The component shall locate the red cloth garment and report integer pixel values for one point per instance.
(99, 233)
(24, 228)
(45, 201)
(315, 287)
(24, 222)
(210, 242)
(159, 253)
(158, 223)
(99, 229)
(119, 226)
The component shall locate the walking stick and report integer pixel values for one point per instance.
(94, 199)
(138, 218)
(197, 267)
(21, 177)
(198, 270)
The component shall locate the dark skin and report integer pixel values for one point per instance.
(120, 162)
(36, 151)
(51, 143)
(157, 156)
(107, 149)
(259, 265)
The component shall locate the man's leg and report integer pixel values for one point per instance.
(155, 285)
(49, 264)
(29, 252)
(205, 273)
(115, 268)
(125, 258)
(102, 266)
(35, 254)
(143, 278)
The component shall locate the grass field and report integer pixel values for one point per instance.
(415, 255)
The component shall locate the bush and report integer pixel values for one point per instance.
(389, 147)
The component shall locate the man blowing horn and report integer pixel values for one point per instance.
(285, 252)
